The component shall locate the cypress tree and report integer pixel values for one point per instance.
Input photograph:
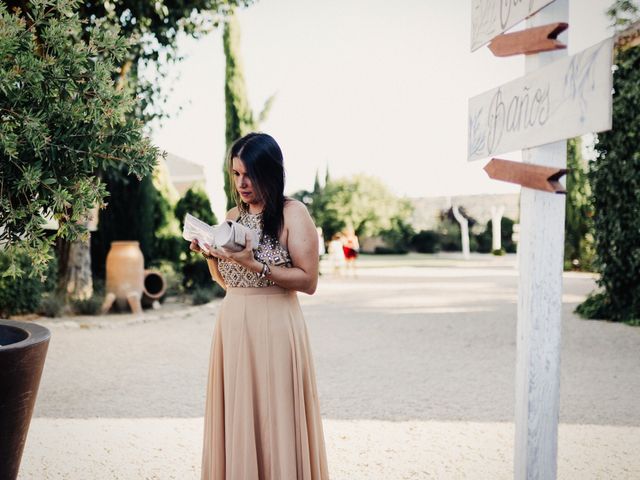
(239, 116)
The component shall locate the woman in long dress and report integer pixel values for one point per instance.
(262, 416)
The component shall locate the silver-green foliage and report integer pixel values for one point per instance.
(362, 203)
(62, 121)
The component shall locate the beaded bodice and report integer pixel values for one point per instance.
(269, 251)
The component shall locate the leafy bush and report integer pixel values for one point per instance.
(202, 295)
(172, 276)
(196, 202)
(90, 306)
(615, 182)
(168, 248)
(218, 291)
(596, 306)
(362, 202)
(23, 294)
(426, 241)
(484, 240)
(450, 237)
(194, 268)
(390, 251)
(398, 237)
(51, 306)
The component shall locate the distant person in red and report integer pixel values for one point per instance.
(350, 247)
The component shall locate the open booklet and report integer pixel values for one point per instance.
(229, 235)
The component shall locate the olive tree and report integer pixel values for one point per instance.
(63, 120)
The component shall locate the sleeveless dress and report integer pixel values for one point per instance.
(262, 415)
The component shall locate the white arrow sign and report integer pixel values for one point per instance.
(565, 99)
(492, 17)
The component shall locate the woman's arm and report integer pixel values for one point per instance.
(212, 263)
(302, 243)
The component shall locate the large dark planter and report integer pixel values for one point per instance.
(23, 348)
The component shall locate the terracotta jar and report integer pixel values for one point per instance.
(155, 287)
(125, 272)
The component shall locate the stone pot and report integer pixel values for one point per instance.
(125, 273)
(23, 348)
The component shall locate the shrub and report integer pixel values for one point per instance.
(194, 268)
(596, 306)
(398, 237)
(202, 295)
(450, 239)
(426, 241)
(196, 202)
(173, 277)
(615, 182)
(51, 306)
(90, 306)
(218, 290)
(169, 247)
(195, 272)
(23, 294)
(484, 240)
(390, 251)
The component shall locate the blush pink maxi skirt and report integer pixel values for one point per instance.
(262, 417)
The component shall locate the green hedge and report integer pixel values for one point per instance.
(615, 182)
(23, 294)
(194, 268)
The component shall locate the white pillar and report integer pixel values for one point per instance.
(464, 231)
(540, 258)
(496, 230)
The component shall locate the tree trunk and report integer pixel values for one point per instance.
(75, 275)
(78, 282)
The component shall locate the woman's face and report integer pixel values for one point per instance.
(243, 182)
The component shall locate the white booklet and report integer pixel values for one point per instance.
(229, 235)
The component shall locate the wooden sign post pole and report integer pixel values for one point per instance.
(540, 258)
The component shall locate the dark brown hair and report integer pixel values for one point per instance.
(263, 160)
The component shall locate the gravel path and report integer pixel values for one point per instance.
(415, 368)
(169, 448)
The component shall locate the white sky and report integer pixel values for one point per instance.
(362, 86)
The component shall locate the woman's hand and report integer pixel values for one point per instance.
(244, 257)
(195, 246)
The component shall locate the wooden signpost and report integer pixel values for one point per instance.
(564, 99)
(492, 17)
(527, 175)
(559, 97)
(529, 41)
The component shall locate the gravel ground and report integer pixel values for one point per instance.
(169, 448)
(415, 368)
